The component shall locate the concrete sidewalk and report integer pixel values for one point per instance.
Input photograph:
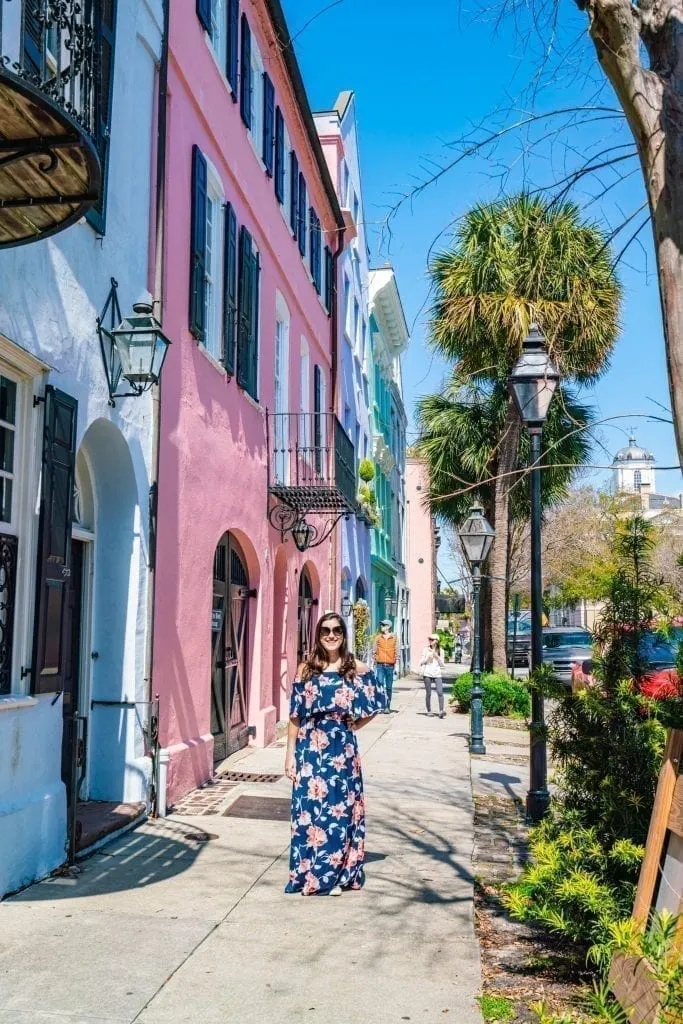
(165, 925)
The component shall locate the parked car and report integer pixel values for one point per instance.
(563, 648)
(659, 653)
(519, 641)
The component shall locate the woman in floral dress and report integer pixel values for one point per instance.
(333, 697)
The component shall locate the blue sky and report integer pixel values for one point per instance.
(423, 75)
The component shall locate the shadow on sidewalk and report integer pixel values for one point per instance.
(136, 860)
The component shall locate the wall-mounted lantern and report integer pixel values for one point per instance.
(133, 347)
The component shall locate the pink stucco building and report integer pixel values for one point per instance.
(249, 389)
(420, 558)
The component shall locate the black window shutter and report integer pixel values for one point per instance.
(329, 283)
(253, 325)
(245, 308)
(233, 44)
(245, 80)
(279, 155)
(302, 214)
(294, 193)
(268, 123)
(54, 542)
(230, 289)
(315, 249)
(204, 13)
(198, 246)
(33, 40)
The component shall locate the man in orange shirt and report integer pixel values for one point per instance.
(386, 653)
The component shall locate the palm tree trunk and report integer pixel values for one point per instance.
(498, 561)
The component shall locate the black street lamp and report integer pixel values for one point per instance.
(390, 606)
(476, 536)
(532, 384)
(346, 606)
(302, 533)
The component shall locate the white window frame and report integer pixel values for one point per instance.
(305, 393)
(218, 36)
(30, 375)
(286, 206)
(16, 429)
(281, 387)
(256, 130)
(213, 269)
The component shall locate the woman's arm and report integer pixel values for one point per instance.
(292, 733)
(290, 759)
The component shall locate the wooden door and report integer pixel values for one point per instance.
(229, 638)
(305, 617)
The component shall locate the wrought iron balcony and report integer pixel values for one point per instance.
(311, 469)
(52, 132)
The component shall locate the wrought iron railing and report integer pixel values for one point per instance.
(312, 461)
(8, 587)
(55, 46)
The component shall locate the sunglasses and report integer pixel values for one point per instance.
(331, 631)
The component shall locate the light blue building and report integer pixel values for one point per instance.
(339, 137)
(388, 340)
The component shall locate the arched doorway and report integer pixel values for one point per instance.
(229, 642)
(361, 592)
(305, 615)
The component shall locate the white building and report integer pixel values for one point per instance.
(76, 470)
(634, 473)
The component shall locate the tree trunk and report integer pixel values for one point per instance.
(652, 100)
(498, 560)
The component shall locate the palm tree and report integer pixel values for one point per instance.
(515, 262)
(460, 434)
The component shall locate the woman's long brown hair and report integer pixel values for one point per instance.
(317, 661)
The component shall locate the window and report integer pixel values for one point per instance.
(363, 339)
(230, 261)
(347, 307)
(637, 479)
(257, 99)
(8, 446)
(217, 31)
(281, 389)
(356, 324)
(246, 84)
(344, 182)
(213, 268)
(248, 296)
(356, 209)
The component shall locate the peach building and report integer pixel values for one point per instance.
(420, 558)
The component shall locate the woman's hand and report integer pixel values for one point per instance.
(290, 766)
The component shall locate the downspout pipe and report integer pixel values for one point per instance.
(159, 780)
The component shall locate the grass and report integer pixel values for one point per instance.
(496, 1008)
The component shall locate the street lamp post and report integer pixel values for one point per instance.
(476, 536)
(533, 383)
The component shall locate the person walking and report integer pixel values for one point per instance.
(431, 664)
(332, 698)
(385, 654)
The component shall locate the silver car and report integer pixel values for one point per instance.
(563, 647)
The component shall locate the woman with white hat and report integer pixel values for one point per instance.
(431, 664)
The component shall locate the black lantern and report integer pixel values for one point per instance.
(302, 533)
(390, 606)
(476, 535)
(141, 346)
(534, 379)
(133, 347)
(346, 606)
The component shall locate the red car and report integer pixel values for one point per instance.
(659, 652)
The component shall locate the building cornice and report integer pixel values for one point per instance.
(386, 306)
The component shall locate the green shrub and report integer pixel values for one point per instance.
(502, 696)
(606, 743)
(366, 470)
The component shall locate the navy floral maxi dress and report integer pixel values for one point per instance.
(328, 806)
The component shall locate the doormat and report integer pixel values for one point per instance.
(265, 808)
(250, 776)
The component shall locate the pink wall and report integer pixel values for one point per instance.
(421, 559)
(212, 476)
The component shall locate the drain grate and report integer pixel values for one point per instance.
(250, 776)
(264, 808)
